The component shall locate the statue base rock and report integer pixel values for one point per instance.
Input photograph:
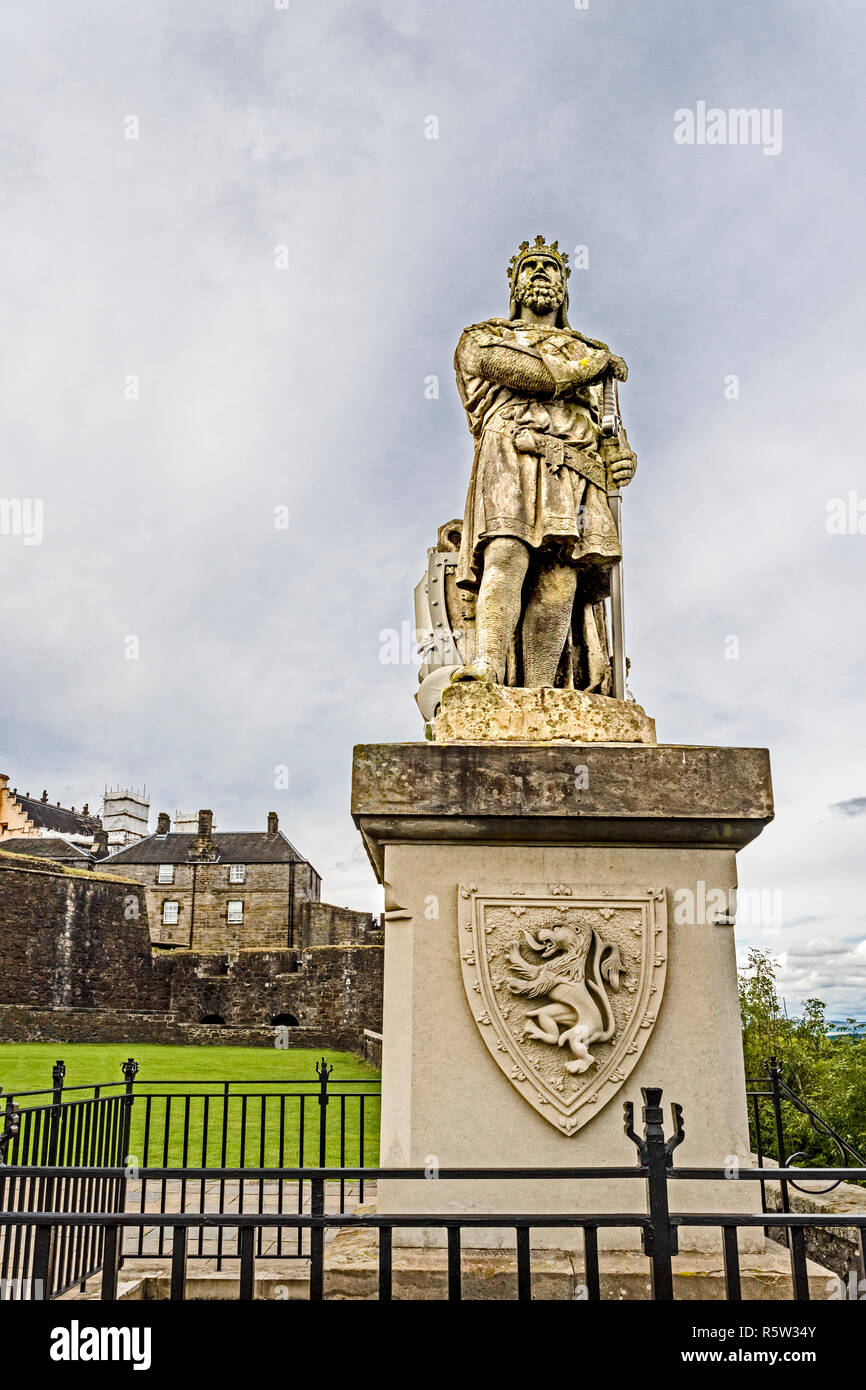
(474, 712)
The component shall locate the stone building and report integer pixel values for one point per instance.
(221, 890)
(23, 816)
(54, 847)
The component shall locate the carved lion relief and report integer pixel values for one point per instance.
(565, 986)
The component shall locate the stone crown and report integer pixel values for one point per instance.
(538, 248)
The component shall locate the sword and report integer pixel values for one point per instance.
(611, 424)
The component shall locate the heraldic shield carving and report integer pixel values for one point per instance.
(565, 986)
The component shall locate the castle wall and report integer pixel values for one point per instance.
(322, 924)
(70, 938)
(77, 962)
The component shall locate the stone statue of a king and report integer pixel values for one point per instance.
(538, 539)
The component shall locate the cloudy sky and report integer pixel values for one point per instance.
(232, 256)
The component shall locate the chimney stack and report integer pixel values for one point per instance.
(273, 822)
(204, 848)
(163, 822)
(99, 849)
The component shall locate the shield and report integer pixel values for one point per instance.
(565, 984)
(444, 620)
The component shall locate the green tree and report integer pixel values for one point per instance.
(828, 1072)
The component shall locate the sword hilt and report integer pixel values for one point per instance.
(611, 423)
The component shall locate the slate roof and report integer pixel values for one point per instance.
(46, 847)
(235, 847)
(56, 818)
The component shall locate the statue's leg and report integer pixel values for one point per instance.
(498, 611)
(546, 622)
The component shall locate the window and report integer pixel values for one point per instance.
(236, 912)
(170, 911)
(165, 873)
(237, 873)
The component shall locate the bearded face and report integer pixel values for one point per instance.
(540, 285)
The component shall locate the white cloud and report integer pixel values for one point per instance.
(305, 128)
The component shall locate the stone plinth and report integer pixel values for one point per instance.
(472, 711)
(488, 849)
(352, 1271)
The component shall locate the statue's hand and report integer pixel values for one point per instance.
(618, 367)
(622, 472)
(619, 460)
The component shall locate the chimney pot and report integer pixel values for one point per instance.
(273, 822)
(44, 798)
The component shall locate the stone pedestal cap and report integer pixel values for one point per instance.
(669, 795)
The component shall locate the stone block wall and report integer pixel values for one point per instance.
(338, 988)
(322, 924)
(113, 1026)
(75, 946)
(71, 938)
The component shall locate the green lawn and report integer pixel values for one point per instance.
(261, 1123)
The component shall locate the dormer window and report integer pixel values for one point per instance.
(165, 873)
(237, 873)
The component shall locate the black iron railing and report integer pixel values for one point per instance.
(773, 1089)
(659, 1227)
(135, 1127)
(57, 1135)
(209, 1123)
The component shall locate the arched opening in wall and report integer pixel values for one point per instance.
(212, 1018)
(284, 1021)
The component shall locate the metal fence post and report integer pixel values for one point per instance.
(323, 1071)
(58, 1071)
(130, 1070)
(774, 1072)
(660, 1237)
(10, 1121)
(45, 1197)
(317, 1242)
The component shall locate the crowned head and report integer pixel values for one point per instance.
(537, 277)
